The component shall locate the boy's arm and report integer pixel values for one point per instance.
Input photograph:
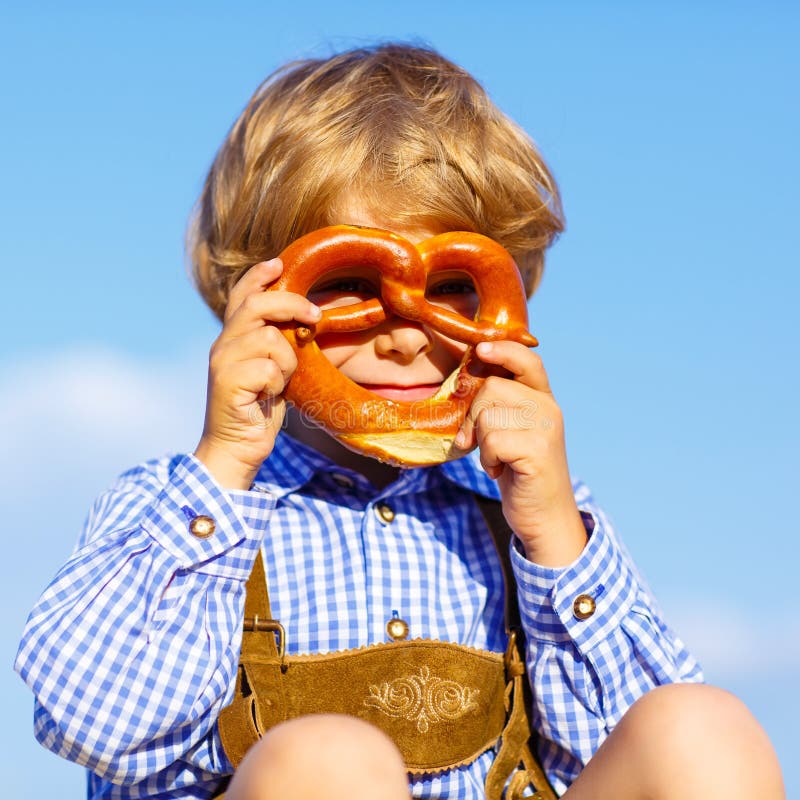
(132, 650)
(596, 642)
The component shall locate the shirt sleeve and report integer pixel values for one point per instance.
(131, 651)
(596, 642)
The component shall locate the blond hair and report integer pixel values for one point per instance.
(409, 134)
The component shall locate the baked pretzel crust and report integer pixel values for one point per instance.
(415, 433)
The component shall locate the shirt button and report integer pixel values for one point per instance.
(345, 481)
(397, 629)
(202, 526)
(385, 512)
(584, 606)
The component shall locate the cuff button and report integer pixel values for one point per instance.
(584, 606)
(202, 526)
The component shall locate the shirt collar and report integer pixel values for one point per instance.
(289, 466)
(468, 473)
(293, 464)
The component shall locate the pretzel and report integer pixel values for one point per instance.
(402, 433)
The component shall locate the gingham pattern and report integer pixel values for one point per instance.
(132, 650)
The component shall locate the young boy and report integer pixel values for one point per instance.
(132, 651)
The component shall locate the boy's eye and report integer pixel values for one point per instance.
(343, 291)
(456, 293)
(354, 285)
(452, 287)
(350, 286)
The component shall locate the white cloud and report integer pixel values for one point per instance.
(733, 643)
(72, 415)
(72, 420)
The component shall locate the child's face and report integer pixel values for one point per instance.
(398, 359)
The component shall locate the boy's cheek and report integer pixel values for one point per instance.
(452, 347)
(339, 348)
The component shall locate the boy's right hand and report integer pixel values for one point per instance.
(250, 364)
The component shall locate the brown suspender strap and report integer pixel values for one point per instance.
(501, 533)
(258, 618)
(240, 723)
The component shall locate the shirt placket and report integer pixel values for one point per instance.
(398, 570)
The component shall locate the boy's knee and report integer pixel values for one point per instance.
(322, 756)
(686, 711)
(334, 742)
(700, 731)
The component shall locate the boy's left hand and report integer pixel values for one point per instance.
(518, 427)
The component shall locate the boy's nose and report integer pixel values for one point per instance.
(403, 340)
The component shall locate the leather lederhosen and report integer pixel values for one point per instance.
(443, 704)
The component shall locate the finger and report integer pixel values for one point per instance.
(492, 466)
(499, 449)
(490, 458)
(467, 438)
(261, 377)
(256, 279)
(525, 365)
(267, 412)
(263, 308)
(265, 342)
(500, 402)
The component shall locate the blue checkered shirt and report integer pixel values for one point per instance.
(133, 648)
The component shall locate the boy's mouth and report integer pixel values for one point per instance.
(389, 391)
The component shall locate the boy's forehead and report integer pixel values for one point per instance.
(354, 210)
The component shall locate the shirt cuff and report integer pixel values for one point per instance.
(554, 601)
(237, 519)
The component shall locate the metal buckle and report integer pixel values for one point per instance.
(266, 626)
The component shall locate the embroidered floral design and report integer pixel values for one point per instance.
(422, 698)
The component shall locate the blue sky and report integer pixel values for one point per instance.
(665, 314)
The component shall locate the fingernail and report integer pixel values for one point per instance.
(461, 439)
(484, 348)
(315, 311)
